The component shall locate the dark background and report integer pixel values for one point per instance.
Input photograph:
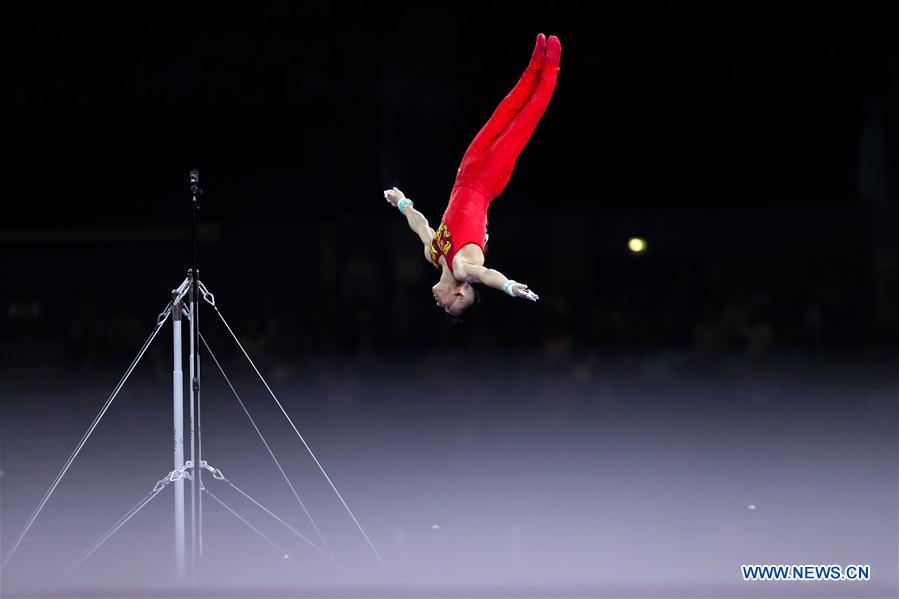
(756, 149)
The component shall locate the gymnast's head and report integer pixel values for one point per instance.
(456, 299)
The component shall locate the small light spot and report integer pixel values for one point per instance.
(751, 507)
(435, 527)
(636, 245)
(286, 556)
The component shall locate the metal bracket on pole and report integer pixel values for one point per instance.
(208, 296)
(179, 292)
(216, 473)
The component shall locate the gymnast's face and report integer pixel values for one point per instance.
(453, 299)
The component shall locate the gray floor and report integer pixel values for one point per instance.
(586, 477)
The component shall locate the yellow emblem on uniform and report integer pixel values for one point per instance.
(440, 243)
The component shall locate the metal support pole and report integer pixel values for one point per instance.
(195, 446)
(178, 411)
(195, 471)
(198, 472)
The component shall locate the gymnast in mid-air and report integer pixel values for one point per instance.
(456, 248)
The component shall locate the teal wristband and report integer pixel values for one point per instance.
(507, 287)
(401, 205)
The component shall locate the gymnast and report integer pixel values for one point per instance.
(456, 248)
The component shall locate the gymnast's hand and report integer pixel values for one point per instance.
(478, 273)
(393, 196)
(521, 290)
(417, 221)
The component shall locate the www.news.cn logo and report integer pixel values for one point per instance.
(811, 572)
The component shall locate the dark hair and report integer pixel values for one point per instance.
(466, 314)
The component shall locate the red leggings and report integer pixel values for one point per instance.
(488, 163)
(490, 159)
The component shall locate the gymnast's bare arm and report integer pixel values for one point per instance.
(477, 273)
(417, 221)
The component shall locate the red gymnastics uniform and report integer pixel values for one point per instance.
(488, 163)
